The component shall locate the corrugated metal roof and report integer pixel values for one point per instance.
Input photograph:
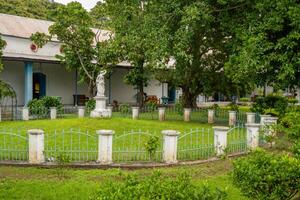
(17, 26)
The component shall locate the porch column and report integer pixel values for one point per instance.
(28, 82)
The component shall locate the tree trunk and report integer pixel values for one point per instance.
(140, 96)
(91, 89)
(188, 98)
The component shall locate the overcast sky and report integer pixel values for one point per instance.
(88, 4)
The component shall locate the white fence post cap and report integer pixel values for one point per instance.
(254, 125)
(221, 128)
(170, 132)
(105, 132)
(35, 132)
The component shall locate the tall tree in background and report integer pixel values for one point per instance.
(2, 45)
(82, 47)
(133, 40)
(266, 46)
(38, 9)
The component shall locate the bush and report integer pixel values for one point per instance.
(90, 105)
(157, 187)
(151, 146)
(293, 101)
(244, 99)
(124, 109)
(150, 106)
(40, 107)
(179, 107)
(233, 107)
(263, 175)
(264, 105)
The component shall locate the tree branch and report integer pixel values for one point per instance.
(81, 62)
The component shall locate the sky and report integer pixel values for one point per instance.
(88, 4)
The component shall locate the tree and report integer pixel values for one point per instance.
(39, 9)
(133, 39)
(266, 43)
(195, 41)
(2, 45)
(82, 47)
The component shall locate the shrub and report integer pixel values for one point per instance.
(264, 105)
(263, 175)
(233, 107)
(158, 187)
(293, 101)
(49, 102)
(90, 105)
(40, 107)
(150, 106)
(244, 99)
(35, 106)
(151, 146)
(179, 107)
(124, 109)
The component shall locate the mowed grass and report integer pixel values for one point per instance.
(66, 183)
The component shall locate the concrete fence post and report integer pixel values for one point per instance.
(250, 118)
(105, 139)
(263, 118)
(53, 113)
(135, 112)
(0, 113)
(36, 146)
(81, 111)
(170, 146)
(25, 113)
(187, 114)
(252, 135)
(232, 118)
(162, 113)
(211, 116)
(220, 139)
(110, 111)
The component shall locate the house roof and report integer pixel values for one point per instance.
(11, 25)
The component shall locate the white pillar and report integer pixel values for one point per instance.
(161, 113)
(105, 146)
(252, 135)
(187, 114)
(81, 111)
(232, 118)
(53, 113)
(135, 112)
(250, 118)
(220, 139)
(263, 118)
(211, 116)
(110, 111)
(25, 113)
(170, 146)
(36, 146)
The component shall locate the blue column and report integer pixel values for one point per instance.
(28, 82)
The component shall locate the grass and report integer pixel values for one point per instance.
(64, 183)
(76, 139)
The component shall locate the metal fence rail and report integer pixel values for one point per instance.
(13, 145)
(221, 116)
(131, 146)
(11, 113)
(237, 139)
(71, 145)
(196, 144)
(199, 115)
(67, 112)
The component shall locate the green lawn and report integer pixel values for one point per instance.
(63, 184)
(77, 140)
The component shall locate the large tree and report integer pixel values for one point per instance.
(266, 43)
(133, 38)
(2, 45)
(83, 48)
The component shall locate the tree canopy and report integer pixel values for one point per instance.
(39, 9)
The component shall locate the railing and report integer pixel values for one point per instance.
(131, 146)
(13, 145)
(237, 139)
(196, 144)
(70, 145)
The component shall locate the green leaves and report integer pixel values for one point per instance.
(2, 45)
(264, 175)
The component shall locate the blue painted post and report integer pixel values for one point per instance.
(28, 82)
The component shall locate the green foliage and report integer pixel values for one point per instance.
(151, 106)
(2, 45)
(62, 158)
(124, 109)
(151, 146)
(265, 44)
(263, 175)
(38, 9)
(234, 107)
(158, 187)
(40, 39)
(40, 107)
(179, 107)
(90, 105)
(244, 99)
(264, 105)
(6, 91)
(293, 101)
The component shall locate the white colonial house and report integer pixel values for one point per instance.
(34, 73)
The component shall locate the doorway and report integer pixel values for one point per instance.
(39, 85)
